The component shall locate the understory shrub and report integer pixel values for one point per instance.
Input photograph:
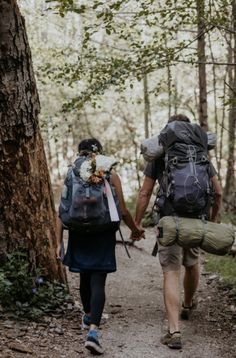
(25, 291)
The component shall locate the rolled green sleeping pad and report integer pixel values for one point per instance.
(214, 238)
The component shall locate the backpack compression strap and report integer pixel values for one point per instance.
(111, 202)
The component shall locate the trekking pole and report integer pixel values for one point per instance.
(126, 249)
(156, 217)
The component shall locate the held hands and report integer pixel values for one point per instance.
(138, 233)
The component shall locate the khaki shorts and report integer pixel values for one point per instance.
(172, 257)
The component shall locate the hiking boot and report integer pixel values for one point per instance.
(86, 321)
(172, 340)
(186, 311)
(92, 343)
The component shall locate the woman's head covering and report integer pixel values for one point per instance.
(90, 145)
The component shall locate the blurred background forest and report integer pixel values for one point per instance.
(117, 70)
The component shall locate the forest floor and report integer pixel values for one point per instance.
(134, 318)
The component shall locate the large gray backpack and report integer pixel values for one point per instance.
(186, 188)
(84, 206)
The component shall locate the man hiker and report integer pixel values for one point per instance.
(171, 257)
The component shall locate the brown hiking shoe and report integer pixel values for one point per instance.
(187, 311)
(172, 340)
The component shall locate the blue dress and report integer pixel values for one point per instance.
(91, 252)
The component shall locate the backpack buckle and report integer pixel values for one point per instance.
(175, 160)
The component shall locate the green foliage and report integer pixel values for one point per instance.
(229, 218)
(139, 37)
(25, 291)
(150, 219)
(225, 266)
(64, 6)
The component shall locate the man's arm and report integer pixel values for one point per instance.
(217, 199)
(144, 198)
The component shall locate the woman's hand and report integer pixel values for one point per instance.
(60, 246)
(58, 252)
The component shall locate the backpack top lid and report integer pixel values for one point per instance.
(183, 132)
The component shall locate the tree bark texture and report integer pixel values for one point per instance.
(27, 213)
(202, 105)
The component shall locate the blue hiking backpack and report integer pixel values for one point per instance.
(84, 206)
(185, 188)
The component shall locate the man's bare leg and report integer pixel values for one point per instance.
(191, 281)
(171, 299)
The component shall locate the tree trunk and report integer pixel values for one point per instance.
(169, 85)
(229, 190)
(146, 105)
(202, 105)
(27, 213)
(46, 138)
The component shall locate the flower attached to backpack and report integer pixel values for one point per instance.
(94, 169)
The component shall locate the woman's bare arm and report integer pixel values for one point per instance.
(126, 216)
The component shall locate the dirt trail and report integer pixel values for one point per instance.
(136, 318)
(133, 320)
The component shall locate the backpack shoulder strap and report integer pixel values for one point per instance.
(111, 202)
(108, 177)
(68, 174)
(77, 164)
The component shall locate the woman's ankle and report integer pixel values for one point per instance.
(93, 327)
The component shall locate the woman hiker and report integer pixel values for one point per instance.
(93, 256)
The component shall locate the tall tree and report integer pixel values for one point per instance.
(146, 105)
(230, 183)
(27, 214)
(202, 106)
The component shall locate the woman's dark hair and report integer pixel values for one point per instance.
(179, 117)
(90, 145)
